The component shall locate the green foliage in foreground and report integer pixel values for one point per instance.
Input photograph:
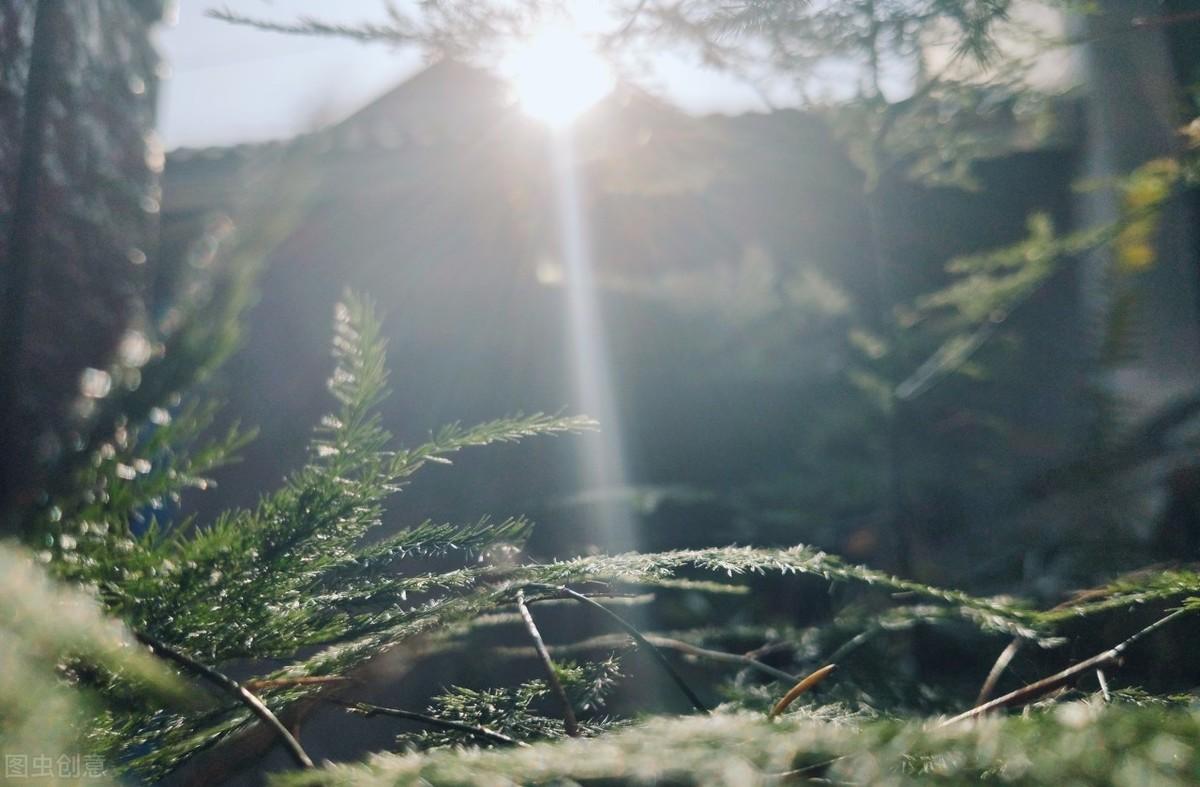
(293, 572)
(298, 578)
(1073, 743)
(49, 634)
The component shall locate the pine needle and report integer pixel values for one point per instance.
(800, 688)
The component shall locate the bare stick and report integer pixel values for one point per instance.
(637, 636)
(234, 689)
(800, 688)
(1034, 690)
(993, 677)
(368, 710)
(769, 648)
(307, 680)
(719, 655)
(569, 723)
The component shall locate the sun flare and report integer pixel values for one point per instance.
(556, 75)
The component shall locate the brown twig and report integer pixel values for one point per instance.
(279, 683)
(993, 677)
(570, 725)
(1031, 692)
(800, 688)
(234, 689)
(368, 709)
(637, 636)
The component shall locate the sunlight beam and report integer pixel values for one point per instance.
(602, 459)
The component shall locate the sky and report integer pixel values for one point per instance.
(231, 84)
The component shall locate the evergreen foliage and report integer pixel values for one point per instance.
(518, 712)
(60, 656)
(1081, 742)
(292, 572)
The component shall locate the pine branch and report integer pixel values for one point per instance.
(430, 539)
(368, 709)
(234, 689)
(991, 614)
(379, 631)
(678, 645)
(309, 26)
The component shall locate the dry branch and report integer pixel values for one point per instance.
(1031, 692)
(570, 724)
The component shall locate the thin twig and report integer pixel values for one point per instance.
(368, 709)
(800, 688)
(638, 637)
(632, 20)
(667, 643)
(629, 598)
(993, 677)
(769, 648)
(720, 655)
(570, 725)
(1031, 692)
(1103, 681)
(1009, 653)
(307, 680)
(234, 689)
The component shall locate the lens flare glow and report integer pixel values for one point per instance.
(557, 75)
